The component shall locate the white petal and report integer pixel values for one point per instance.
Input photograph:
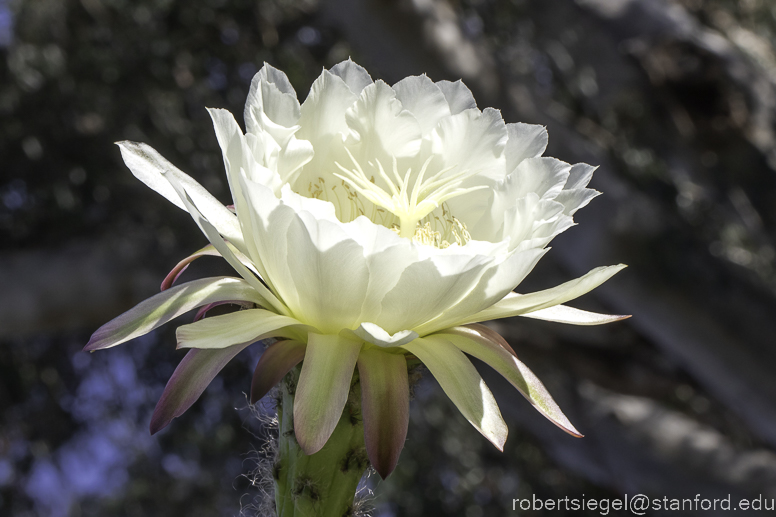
(572, 316)
(461, 382)
(420, 96)
(458, 96)
(573, 200)
(579, 176)
(269, 299)
(495, 283)
(149, 167)
(323, 112)
(375, 335)
(380, 128)
(271, 98)
(329, 273)
(473, 141)
(525, 141)
(428, 288)
(519, 304)
(545, 177)
(234, 328)
(355, 76)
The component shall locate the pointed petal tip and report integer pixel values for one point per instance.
(157, 424)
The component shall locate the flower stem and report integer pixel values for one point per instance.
(323, 484)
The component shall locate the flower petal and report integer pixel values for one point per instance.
(269, 299)
(355, 76)
(461, 382)
(207, 251)
(496, 282)
(570, 315)
(519, 304)
(230, 329)
(525, 141)
(202, 312)
(385, 403)
(163, 307)
(150, 167)
(181, 266)
(427, 288)
(375, 335)
(458, 96)
(276, 361)
(490, 348)
(271, 101)
(323, 388)
(579, 176)
(420, 96)
(187, 383)
(380, 128)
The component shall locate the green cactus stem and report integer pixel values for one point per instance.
(323, 484)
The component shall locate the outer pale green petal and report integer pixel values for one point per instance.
(323, 388)
(461, 382)
(487, 346)
(519, 304)
(149, 167)
(230, 329)
(276, 361)
(163, 307)
(385, 403)
(572, 316)
(189, 380)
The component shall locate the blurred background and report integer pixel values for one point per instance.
(674, 99)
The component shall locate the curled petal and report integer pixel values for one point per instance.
(385, 403)
(461, 382)
(189, 380)
(276, 361)
(207, 251)
(323, 388)
(158, 310)
(230, 329)
(487, 346)
(181, 266)
(572, 316)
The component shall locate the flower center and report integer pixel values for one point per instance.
(410, 201)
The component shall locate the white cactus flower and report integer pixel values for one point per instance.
(372, 223)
